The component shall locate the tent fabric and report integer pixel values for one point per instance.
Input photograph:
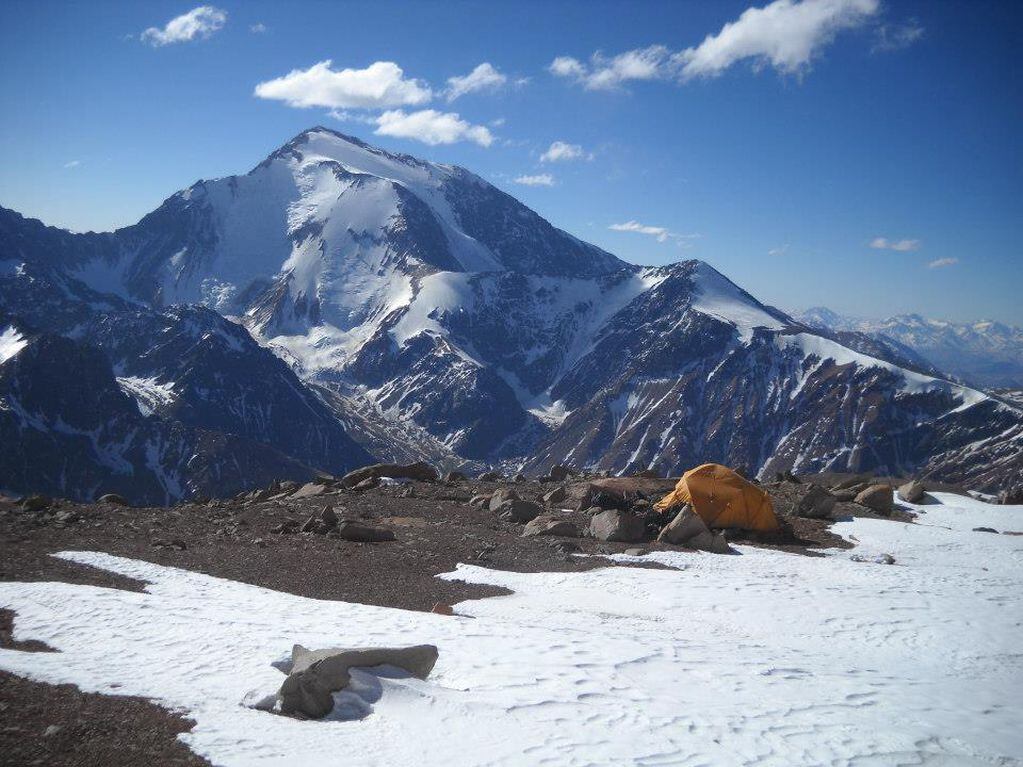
(722, 499)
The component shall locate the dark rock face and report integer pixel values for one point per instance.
(615, 525)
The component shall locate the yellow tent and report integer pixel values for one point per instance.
(722, 499)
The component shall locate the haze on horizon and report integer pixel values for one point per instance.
(857, 154)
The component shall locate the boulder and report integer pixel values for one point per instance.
(112, 498)
(501, 497)
(685, 526)
(36, 503)
(559, 473)
(520, 477)
(851, 482)
(814, 503)
(545, 524)
(912, 492)
(310, 490)
(617, 525)
(421, 471)
(489, 476)
(985, 530)
(311, 525)
(363, 533)
(367, 484)
(454, 477)
(328, 517)
(442, 608)
(518, 511)
(555, 496)
(316, 674)
(877, 498)
(480, 500)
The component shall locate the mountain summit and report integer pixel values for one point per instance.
(423, 312)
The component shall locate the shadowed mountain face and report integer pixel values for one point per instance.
(338, 294)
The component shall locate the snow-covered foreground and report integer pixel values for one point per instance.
(763, 658)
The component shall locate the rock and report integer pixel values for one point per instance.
(310, 525)
(287, 527)
(559, 473)
(517, 511)
(175, 543)
(814, 503)
(52, 730)
(309, 490)
(328, 517)
(367, 484)
(65, 517)
(985, 530)
(685, 526)
(501, 497)
(442, 609)
(585, 495)
(454, 477)
(480, 500)
(259, 542)
(304, 693)
(489, 476)
(850, 483)
(520, 477)
(1011, 497)
(912, 492)
(362, 533)
(112, 498)
(421, 471)
(641, 505)
(36, 503)
(555, 496)
(316, 674)
(647, 474)
(617, 525)
(844, 496)
(880, 559)
(878, 498)
(545, 524)
(635, 552)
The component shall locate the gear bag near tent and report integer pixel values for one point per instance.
(722, 498)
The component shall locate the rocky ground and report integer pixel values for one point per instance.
(258, 538)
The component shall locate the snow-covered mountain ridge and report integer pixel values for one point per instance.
(432, 314)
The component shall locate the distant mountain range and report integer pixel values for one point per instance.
(340, 302)
(984, 353)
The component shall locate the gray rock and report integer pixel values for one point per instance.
(328, 517)
(501, 497)
(455, 476)
(362, 533)
(421, 471)
(545, 524)
(489, 476)
(685, 526)
(878, 498)
(814, 503)
(985, 530)
(304, 693)
(617, 525)
(635, 552)
(557, 495)
(112, 498)
(480, 500)
(518, 511)
(912, 492)
(36, 503)
(309, 490)
(559, 473)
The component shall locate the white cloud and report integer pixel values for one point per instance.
(661, 233)
(883, 243)
(484, 77)
(381, 85)
(941, 262)
(431, 127)
(785, 34)
(541, 179)
(72, 164)
(895, 37)
(779, 251)
(258, 28)
(198, 22)
(603, 73)
(559, 151)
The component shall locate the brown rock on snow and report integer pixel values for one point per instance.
(878, 498)
(912, 492)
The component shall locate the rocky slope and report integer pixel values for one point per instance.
(420, 311)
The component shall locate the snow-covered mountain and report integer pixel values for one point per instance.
(427, 313)
(985, 353)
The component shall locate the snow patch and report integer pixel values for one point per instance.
(11, 342)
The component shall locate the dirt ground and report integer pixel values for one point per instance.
(435, 528)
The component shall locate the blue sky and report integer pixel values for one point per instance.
(860, 154)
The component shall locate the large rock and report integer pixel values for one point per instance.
(502, 497)
(814, 503)
(912, 492)
(36, 503)
(688, 529)
(316, 674)
(310, 490)
(555, 496)
(617, 525)
(878, 498)
(421, 471)
(112, 498)
(559, 473)
(1011, 497)
(546, 524)
(362, 533)
(518, 511)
